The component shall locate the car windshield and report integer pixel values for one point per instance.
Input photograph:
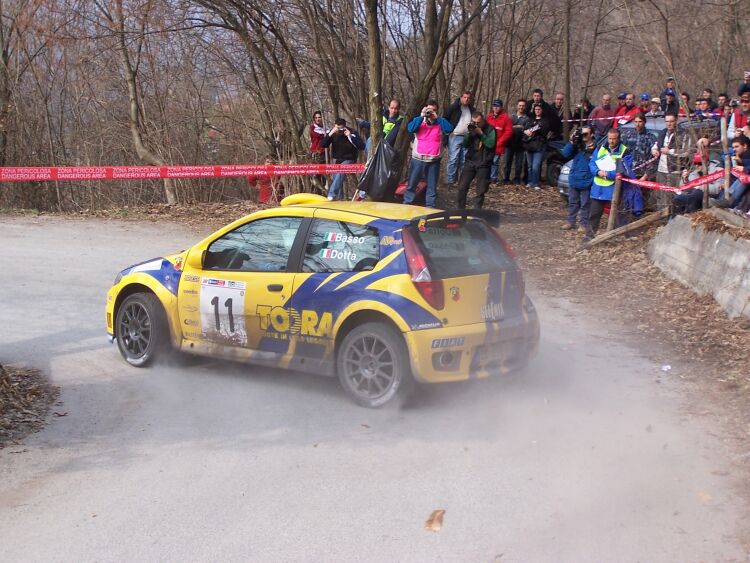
(456, 248)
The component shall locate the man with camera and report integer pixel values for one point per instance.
(479, 142)
(345, 146)
(580, 149)
(428, 129)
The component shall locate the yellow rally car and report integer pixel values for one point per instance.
(375, 293)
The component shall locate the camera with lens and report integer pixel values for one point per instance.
(472, 126)
(429, 113)
(734, 103)
(577, 137)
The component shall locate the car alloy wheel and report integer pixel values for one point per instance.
(372, 364)
(141, 329)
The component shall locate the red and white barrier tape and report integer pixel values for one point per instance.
(702, 181)
(53, 173)
(692, 116)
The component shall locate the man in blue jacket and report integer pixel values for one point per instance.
(611, 159)
(580, 149)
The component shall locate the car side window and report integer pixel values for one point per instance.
(336, 246)
(258, 246)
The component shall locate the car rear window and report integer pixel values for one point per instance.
(462, 248)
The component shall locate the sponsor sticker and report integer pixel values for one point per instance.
(229, 284)
(447, 342)
(332, 254)
(389, 241)
(425, 325)
(455, 293)
(492, 311)
(191, 278)
(341, 237)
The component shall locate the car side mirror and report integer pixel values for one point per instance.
(195, 259)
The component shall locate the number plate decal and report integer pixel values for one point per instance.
(222, 308)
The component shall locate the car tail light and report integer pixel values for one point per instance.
(431, 290)
(508, 248)
(512, 253)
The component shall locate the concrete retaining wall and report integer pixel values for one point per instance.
(706, 261)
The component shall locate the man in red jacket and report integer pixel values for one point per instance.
(627, 112)
(500, 120)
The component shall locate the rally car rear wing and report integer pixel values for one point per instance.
(490, 215)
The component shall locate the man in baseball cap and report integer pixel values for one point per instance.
(669, 104)
(645, 106)
(655, 110)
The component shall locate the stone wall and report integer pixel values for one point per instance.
(707, 261)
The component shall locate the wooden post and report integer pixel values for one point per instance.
(643, 221)
(727, 158)
(615, 204)
(704, 166)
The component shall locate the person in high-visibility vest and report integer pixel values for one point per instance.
(392, 119)
(611, 159)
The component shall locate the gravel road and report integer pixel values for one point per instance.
(591, 455)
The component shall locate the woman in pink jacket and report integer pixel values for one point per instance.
(428, 129)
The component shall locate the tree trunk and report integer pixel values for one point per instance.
(134, 110)
(376, 72)
(566, 33)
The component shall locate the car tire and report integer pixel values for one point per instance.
(141, 329)
(372, 364)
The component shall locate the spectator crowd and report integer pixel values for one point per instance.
(638, 138)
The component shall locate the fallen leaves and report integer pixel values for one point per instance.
(25, 398)
(435, 521)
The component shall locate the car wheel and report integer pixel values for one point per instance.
(141, 328)
(373, 365)
(553, 172)
(563, 193)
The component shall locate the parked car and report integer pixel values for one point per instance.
(378, 294)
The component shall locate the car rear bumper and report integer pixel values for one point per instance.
(473, 351)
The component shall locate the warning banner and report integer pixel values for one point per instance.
(53, 173)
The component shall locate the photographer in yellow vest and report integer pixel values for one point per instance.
(608, 161)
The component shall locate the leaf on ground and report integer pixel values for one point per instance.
(435, 521)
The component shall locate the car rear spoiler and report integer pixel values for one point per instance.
(489, 215)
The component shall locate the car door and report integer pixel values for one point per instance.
(239, 293)
(340, 248)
